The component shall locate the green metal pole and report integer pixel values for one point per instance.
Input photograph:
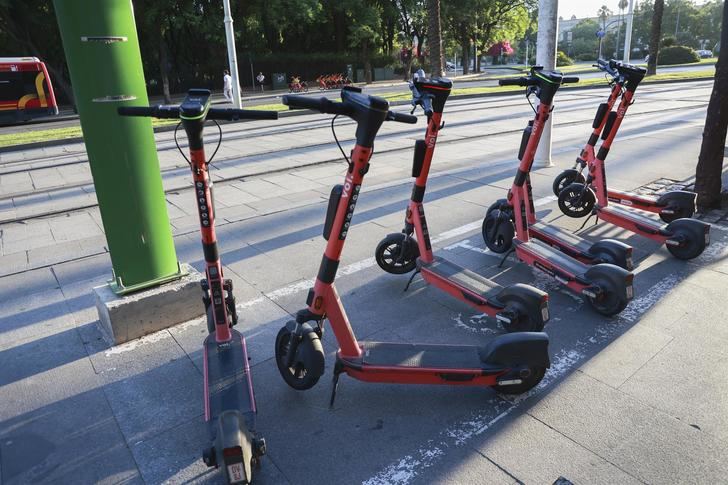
(102, 51)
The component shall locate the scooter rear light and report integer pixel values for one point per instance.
(233, 451)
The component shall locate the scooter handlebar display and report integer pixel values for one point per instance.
(229, 114)
(401, 118)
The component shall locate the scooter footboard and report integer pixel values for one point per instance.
(517, 349)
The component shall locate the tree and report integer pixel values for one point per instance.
(434, 42)
(655, 36)
(710, 161)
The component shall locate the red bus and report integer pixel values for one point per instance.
(26, 91)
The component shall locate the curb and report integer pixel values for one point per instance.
(285, 114)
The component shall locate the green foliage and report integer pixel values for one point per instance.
(586, 57)
(668, 41)
(677, 54)
(563, 60)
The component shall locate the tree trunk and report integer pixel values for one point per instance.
(708, 173)
(655, 36)
(164, 67)
(367, 62)
(435, 39)
(465, 46)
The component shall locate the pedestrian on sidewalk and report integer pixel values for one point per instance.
(260, 78)
(227, 85)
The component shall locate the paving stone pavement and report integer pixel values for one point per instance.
(639, 398)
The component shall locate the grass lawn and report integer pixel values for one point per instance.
(33, 136)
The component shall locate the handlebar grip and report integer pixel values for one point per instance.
(515, 81)
(569, 80)
(304, 102)
(232, 114)
(401, 118)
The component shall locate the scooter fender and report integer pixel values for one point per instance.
(614, 252)
(535, 300)
(678, 198)
(234, 447)
(619, 278)
(695, 228)
(517, 349)
(305, 328)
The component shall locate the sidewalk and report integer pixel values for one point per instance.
(636, 399)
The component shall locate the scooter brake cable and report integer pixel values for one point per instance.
(337, 140)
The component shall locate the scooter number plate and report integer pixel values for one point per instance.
(235, 472)
(630, 292)
(707, 238)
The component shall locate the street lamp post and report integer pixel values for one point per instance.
(548, 26)
(232, 56)
(628, 33)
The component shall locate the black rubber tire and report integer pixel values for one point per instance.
(528, 383)
(308, 367)
(392, 258)
(610, 302)
(693, 248)
(210, 320)
(576, 201)
(566, 178)
(528, 321)
(498, 232)
(609, 258)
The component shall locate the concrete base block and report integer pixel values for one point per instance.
(128, 317)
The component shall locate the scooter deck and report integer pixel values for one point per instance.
(386, 354)
(566, 238)
(646, 223)
(558, 260)
(228, 384)
(462, 277)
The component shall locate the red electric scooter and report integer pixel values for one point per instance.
(512, 363)
(607, 287)
(671, 205)
(685, 238)
(229, 400)
(519, 307)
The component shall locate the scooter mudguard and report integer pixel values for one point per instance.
(678, 198)
(620, 278)
(234, 447)
(534, 299)
(616, 252)
(694, 227)
(517, 349)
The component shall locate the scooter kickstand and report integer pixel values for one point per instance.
(410, 280)
(335, 381)
(505, 256)
(596, 221)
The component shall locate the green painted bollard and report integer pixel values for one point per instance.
(102, 51)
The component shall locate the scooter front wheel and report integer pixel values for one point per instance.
(576, 201)
(397, 254)
(498, 232)
(530, 377)
(566, 178)
(307, 364)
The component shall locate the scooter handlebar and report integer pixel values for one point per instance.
(401, 118)
(157, 111)
(232, 114)
(323, 105)
(517, 81)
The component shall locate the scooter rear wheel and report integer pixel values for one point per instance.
(308, 363)
(610, 301)
(397, 254)
(693, 246)
(529, 382)
(576, 201)
(566, 178)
